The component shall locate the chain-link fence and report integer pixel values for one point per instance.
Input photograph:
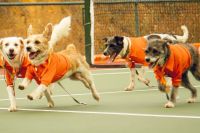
(141, 17)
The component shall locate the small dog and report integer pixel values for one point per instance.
(14, 64)
(174, 61)
(49, 67)
(132, 49)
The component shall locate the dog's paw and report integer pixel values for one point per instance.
(130, 87)
(21, 87)
(96, 96)
(30, 97)
(169, 104)
(191, 100)
(51, 104)
(12, 109)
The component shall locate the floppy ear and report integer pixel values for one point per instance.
(119, 39)
(30, 30)
(48, 31)
(105, 39)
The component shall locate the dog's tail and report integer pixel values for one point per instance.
(185, 35)
(60, 30)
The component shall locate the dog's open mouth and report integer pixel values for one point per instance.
(33, 55)
(11, 56)
(112, 57)
(153, 64)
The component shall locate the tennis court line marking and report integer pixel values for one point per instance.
(83, 94)
(109, 113)
(101, 93)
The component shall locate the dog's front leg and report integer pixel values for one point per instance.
(24, 84)
(37, 94)
(132, 80)
(172, 101)
(141, 76)
(11, 95)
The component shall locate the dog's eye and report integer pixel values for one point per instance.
(28, 42)
(6, 44)
(37, 42)
(146, 51)
(155, 51)
(112, 45)
(16, 44)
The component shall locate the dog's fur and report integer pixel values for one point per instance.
(124, 46)
(159, 54)
(39, 50)
(15, 63)
(12, 55)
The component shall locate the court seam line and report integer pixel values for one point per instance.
(101, 93)
(109, 113)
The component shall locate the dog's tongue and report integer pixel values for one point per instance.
(32, 55)
(112, 58)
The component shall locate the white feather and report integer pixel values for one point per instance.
(60, 30)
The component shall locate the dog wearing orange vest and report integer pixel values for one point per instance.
(15, 62)
(48, 67)
(174, 61)
(132, 49)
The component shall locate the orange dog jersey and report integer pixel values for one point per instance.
(10, 73)
(137, 54)
(178, 62)
(52, 70)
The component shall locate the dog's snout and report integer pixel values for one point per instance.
(28, 49)
(11, 51)
(105, 53)
(147, 59)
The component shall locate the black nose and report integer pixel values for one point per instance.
(105, 53)
(147, 59)
(28, 49)
(11, 51)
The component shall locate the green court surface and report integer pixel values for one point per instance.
(139, 111)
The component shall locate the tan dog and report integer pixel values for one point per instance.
(49, 67)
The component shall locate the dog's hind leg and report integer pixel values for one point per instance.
(132, 80)
(86, 78)
(186, 83)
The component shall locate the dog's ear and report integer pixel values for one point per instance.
(48, 31)
(21, 40)
(1, 43)
(167, 40)
(119, 39)
(105, 39)
(30, 30)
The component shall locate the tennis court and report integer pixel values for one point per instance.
(118, 111)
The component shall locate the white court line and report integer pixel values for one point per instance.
(110, 113)
(101, 93)
(84, 94)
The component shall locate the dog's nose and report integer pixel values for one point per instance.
(11, 51)
(28, 49)
(105, 53)
(147, 59)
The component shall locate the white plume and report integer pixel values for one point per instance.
(60, 30)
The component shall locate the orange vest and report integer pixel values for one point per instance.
(52, 70)
(137, 54)
(178, 62)
(10, 73)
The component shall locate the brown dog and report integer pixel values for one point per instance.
(49, 67)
